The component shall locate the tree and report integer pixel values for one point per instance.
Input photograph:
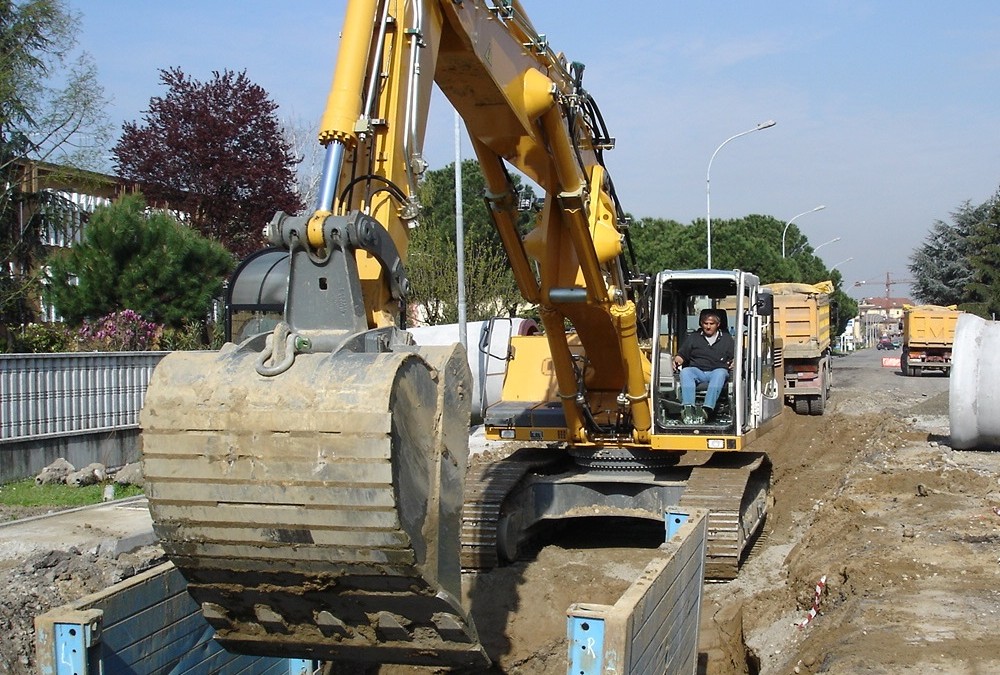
(309, 155)
(132, 258)
(215, 151)
(984, 240)
(667, 244)
(52, 110)
(51, 106)
(490, 289)
(942, 266)
(432, 259)
(751, 243)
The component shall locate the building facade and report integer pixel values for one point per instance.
(879, 317)
(47, 207)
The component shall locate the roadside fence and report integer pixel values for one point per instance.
(71, 393)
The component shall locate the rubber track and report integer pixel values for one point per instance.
(734, 487)
(486, 487)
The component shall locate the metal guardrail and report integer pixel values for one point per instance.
(70, 393)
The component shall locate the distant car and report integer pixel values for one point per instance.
(885, 343)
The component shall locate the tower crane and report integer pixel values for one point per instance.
(889, 283)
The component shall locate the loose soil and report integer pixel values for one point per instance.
(869, 497)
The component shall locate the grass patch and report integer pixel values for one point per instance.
(26, 493)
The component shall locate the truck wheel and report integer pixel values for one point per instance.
(903, 367)
(801, 405)
(817, 405)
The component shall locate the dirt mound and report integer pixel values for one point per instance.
(902, 528)
(50, 579)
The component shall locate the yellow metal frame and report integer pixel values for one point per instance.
(521, 107)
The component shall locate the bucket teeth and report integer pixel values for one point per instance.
(330, 625)
(390, 627)
(450, 627)
(270, 619)
(215, 614)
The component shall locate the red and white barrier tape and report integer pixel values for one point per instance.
(814, 610)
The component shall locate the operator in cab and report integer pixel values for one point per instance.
(706, 356)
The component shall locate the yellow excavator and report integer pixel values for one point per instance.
(309, 482)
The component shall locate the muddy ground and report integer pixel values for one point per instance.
(904, 530)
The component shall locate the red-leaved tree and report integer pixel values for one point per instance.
(215, 151)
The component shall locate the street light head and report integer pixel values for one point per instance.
(820, 207)
(846, 260)
(708, 183)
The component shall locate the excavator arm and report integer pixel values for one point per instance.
(525, 107)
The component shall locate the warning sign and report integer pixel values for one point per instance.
(890, 362)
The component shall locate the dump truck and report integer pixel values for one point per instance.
(802, 324)
(928, 338)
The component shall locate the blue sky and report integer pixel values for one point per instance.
(887, 111)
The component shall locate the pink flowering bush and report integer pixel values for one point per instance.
(120, 332)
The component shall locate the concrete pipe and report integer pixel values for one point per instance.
(974, 397)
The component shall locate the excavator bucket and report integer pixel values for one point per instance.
(316, 513)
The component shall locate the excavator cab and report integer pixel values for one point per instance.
(745, 313)
(669, 411)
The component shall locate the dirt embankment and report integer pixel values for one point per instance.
(903, 529)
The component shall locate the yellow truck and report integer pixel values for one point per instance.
(802, 326)
(928, 338)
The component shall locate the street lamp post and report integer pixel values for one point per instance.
(832, 241)
(784, 231)
(708, 181)
(798, 249)
(845, 260)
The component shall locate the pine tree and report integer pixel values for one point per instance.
(941, 266)
(985, 241)
(146, 262)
